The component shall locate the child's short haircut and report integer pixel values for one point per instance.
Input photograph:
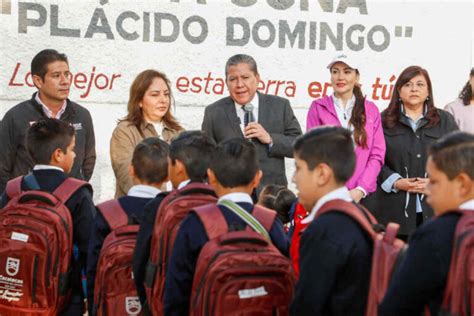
(453, 154)
(330, 145)
(234, 162)
(150, 160)
(194, 150)
(278, 198)
(45, 136)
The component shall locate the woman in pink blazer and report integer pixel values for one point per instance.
(348, 108)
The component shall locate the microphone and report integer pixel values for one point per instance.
(248, 114)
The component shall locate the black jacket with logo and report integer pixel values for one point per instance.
(407, 153)
(14, 158)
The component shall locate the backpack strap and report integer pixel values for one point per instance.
(113, 213)
(248, 218)
(265, 216)
(70, 186)
(13, 187)
(360, 215)
(212, 219)
(196, 188)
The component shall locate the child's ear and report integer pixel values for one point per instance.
(323, 174)
(211, 178)
(131, 171)
(57, 156)
(257, 178)
(466, 186)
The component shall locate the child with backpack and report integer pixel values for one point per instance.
(188, 160)
(148, 170)
(233, 173)
(337, 245)
(43, 214)
(434, 275)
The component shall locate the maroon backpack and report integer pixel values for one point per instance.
(459, 292)
(36, 249)
(172, 210)
(240, 272)
(114, 290)
(387, 249)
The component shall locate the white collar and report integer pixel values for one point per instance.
(237, 197)
(349, 105)
(46, 109)
(143, 191)
(254, 102)
(468, 205)
(340, 193)
(47, 167)
(183, 184)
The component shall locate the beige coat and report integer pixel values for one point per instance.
(124, 139)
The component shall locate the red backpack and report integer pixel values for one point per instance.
(240, 272)
(459, 293)
(114, 290)
(36, 244)
(173, 209)
(387, 249)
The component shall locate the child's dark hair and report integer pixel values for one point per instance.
(453, 154)
(234, 162)
(45, 136)
(194, 150)
(330, 145)
(466, 93)
(278, 198)
(150, 160)
(39, 64)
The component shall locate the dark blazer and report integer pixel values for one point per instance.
(335, 260)
(406, 155)
(275, 115)
(188, 244)
(422, 276)
(14, 158)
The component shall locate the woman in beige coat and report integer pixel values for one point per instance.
(149, 115)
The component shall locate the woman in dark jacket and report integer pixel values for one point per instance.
(410, 123)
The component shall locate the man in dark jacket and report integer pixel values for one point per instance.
(51, 75)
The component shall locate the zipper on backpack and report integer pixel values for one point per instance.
(34, 279)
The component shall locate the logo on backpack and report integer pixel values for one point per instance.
(12, 266)
(132, 305)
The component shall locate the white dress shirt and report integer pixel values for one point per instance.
(342, 193)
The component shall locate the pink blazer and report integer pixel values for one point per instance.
(369, 160)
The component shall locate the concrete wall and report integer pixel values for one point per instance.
(109, 42)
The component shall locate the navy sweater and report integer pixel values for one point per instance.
(422, 276)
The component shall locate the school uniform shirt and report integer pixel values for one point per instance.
(189, 241)
(421, 278)
(82, 211)
(335, 261)
(133, 204)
